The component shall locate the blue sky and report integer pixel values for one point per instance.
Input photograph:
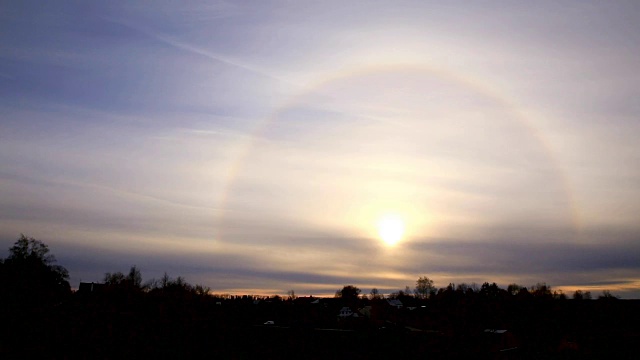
(259, 146)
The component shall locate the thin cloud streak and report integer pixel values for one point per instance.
(202, 52)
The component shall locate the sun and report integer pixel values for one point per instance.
(390, 229)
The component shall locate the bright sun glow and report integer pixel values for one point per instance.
(391, 229)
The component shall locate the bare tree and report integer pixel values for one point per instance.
(424, 287)
(375, 294)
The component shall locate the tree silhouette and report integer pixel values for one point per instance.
(29, 275)
(491, 291)
(514, 288)
(606, 295)
(348, 292)
(114, 279)
(166, 285)
(135, 277)
(132, 282)
(464, 288)
(200, 289)
(424, 287)
(375, 294)
(542, 290)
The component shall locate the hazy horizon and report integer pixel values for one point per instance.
(261, 147)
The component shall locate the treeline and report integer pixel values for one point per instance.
(426, 289)
(133, 282)
(122, 316)
(30, 274)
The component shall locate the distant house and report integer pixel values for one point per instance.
(395, 303)
(499, 340)
(346, 312)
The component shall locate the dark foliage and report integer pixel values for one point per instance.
(29, 276)
(348, 292)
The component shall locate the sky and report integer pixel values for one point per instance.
(265, 146)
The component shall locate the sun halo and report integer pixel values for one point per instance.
(391, 229)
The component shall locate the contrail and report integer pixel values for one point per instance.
(199, 51)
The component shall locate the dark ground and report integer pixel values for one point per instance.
(156, 325)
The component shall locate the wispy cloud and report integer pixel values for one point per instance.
(193, 49)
